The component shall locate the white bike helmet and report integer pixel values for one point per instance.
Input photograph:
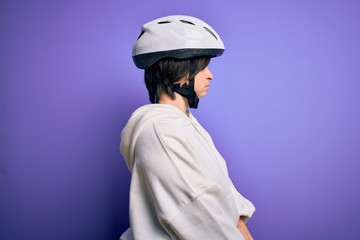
(175, 36)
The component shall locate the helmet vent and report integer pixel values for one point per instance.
(163, 22)
(142, 33)
(211, 32)
(187, 22)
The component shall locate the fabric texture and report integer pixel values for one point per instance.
(180, 188)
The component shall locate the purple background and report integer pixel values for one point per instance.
(284, 110)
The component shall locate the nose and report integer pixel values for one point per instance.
(208, 73)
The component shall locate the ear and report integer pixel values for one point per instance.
(182, 81)
(186, 79)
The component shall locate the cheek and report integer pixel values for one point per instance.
(200, 89)
(198, 86)
(199, 82)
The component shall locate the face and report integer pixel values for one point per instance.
(202, 82)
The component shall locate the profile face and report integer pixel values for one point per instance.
(202, 82)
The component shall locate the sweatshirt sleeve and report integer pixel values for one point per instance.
(244, 207)
(189, 204)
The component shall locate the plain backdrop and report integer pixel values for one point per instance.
(283, 109)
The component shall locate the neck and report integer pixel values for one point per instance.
(179, 101)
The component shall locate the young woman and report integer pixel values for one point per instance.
(180, 188)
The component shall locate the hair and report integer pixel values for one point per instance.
(162, 75)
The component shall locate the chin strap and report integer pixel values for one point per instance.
(187, 90)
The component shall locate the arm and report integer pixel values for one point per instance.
(245, 208)
(188, 202)
(243, 229)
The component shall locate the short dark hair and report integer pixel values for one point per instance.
(162, 75)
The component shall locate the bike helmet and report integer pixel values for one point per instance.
(175, 36)
(179, 37)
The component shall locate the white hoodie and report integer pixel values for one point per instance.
(180, 188)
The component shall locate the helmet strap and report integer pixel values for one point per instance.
(187, 90)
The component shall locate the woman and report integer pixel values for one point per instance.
(180, 187)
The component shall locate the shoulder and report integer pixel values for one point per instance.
(165, 128)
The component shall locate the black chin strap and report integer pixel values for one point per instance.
(187, 90)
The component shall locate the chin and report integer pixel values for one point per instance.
(201, 95)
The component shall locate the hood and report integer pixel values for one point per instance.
(138, 120)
